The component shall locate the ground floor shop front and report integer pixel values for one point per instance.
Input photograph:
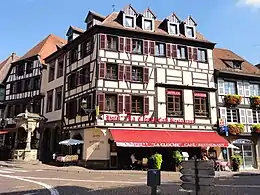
(112, 148)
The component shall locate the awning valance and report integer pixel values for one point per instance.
(164, 138)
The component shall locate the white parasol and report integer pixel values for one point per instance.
(232, 146)
(71, 142)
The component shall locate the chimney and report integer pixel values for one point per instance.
(13, 56)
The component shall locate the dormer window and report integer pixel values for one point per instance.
(129, 16)
(190, 28)
(148, 24)
(237, 65)
(173, 24)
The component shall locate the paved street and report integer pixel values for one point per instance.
(28, 180)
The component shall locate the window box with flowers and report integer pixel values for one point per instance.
(256, 128)
(236, 129)
(255, 101)
(233, 99)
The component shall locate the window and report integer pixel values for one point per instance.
(111, 71)
(232, 115)
(71, 109)
(256, 116)
(29, 67)
(230, 87)
(174, 103)
(60, 67)
(160, 49)
(148, 24)
(254, 89)
(137, 74)
(173, 29)
(73, 55)
(36, 83)
(87, 48)
(137, 104)
(129, 21)
(182, 52)
(85, 75)
(20, 69)
(13, 87)
(202, 55)
(51, 71)
(19, 86)
(137, 46)
(49, 101)
(112, 43)
(90, 24)
(110, 104)
(58, 98)
(36, 107)
(189, 31)
(201, 104)
(237, 65)
(72, 81)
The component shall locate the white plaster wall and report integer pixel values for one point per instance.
(188, 105)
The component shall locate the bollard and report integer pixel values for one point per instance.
(153, 180)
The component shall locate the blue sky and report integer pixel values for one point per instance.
(232, 24)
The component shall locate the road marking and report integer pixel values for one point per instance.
(15, 170)
(2, 171)
(52, 190)
(238, 186)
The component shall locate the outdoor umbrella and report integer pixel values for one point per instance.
(71, 142)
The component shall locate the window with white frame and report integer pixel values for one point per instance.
(190, 32)
(232, 115)
(254, 89)
(173, 29)
(148, 24)
(159, 49)
(230, 87)
(182, 52)
(202, 55)
(256, 116)
(129, 21)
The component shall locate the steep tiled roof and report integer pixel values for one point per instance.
(6, 64)
(111, 21)
(45, 47)
(220, 55)
(77, 29)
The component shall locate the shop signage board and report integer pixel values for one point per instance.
(197, 175)
(130, 118)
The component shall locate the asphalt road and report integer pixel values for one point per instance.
(18, 181)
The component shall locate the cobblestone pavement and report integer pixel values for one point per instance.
(110, 183)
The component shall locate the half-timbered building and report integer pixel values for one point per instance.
(25, 90)
(238, 101)
(135, 82)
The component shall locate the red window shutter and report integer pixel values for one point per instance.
(128, 73)
(121, 44)
(102, 39)
(120, 72)
(195, 54)
(146, 75)
(145, 47)
(120, 103)
(174, 51)
(128, 104)
(101, 102)
(102, 70)
(146, 105)
(189, 53)
(128, 42)
(168, 50)
(152, 47)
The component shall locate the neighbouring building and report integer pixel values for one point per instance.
(25, 90)
(238, 101)
(136, 84)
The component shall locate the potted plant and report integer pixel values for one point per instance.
(236, 162)
(235, 129)
(156, 159)
(233, 99)
(256, 128)
(255, 101)
(178, 158)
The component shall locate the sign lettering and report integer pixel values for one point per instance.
(200, 94)
(174, 93)
(129, 118)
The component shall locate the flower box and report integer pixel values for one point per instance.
(236, 129)
(256, 128)
(233, 99)
(255, 101)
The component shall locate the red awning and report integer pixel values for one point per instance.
(3, 132)
(162, 138)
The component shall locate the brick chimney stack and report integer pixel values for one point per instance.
(13, 56)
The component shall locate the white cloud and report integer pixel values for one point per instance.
(250, 3)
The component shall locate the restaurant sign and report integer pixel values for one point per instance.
(173, 144)
(129, 118)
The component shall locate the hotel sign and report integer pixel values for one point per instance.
(129, 118)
